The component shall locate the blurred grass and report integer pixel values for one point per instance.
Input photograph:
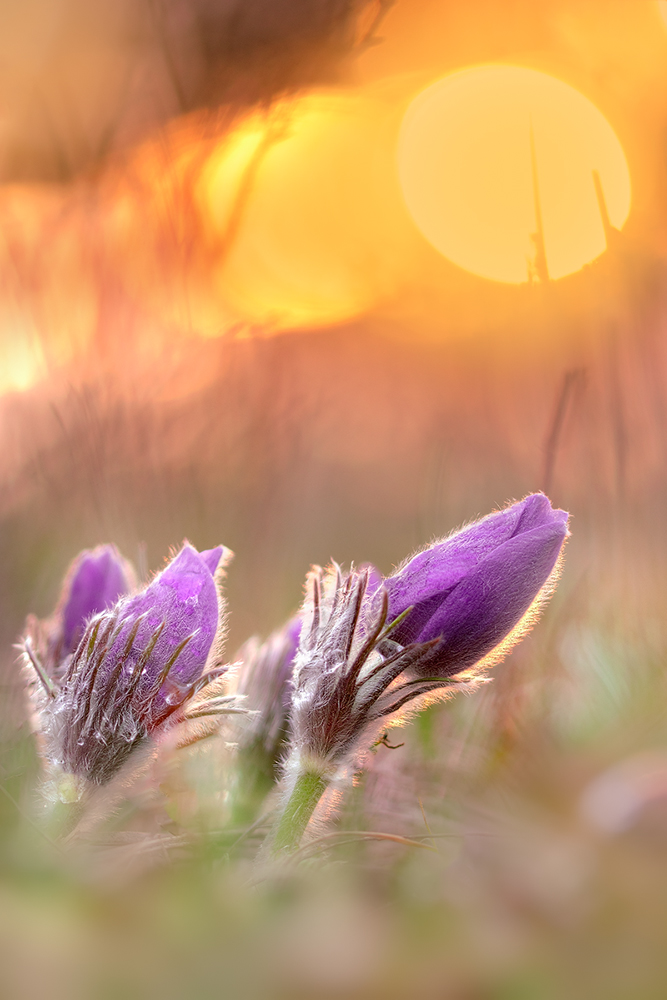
(356, 445)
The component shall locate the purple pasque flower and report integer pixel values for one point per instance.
(136, 667)
(367, 651)
(265, 680)
(472, 590)
(94, 581)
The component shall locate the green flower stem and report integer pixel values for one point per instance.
(62, 819)
(301, 805)
(65, 796)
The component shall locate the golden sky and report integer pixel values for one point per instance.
(331, 204)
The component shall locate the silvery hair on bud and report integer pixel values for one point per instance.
(347, 675)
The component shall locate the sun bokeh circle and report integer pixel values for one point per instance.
(511, 173)
(298, 206)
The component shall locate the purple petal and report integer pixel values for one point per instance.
(265, 678)
(374, 578)
(183, 601)
(135, 666)
(490, 601)
(292, 632)
(94, 582)
(214, 557)
(427, 579)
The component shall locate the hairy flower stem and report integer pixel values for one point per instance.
(301, 805)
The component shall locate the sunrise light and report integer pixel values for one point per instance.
(22, 361)
(512, 174)
(299, 211)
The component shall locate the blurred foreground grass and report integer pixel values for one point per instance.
(539, 880)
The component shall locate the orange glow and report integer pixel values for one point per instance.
(47, 309)
(294, 218)
(22, 361)
(305, 213)
(476, 183)
(155, 235)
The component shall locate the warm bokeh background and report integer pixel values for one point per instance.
(218, 320)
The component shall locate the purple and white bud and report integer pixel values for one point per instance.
(265, 679)
(265, 682)
(136, 669)
(344, 688)
(368, 650)
(94, 581)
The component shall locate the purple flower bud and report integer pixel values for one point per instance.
(265, 678)
(265, 682)
(95, 580)
(471, 590)
(136, 666)
(366, 651)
